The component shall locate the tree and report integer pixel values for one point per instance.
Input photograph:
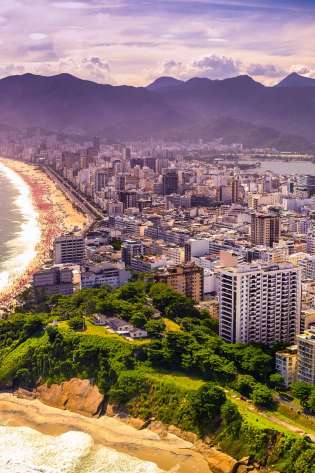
(213, 366)
(262, 396)
(256, 362)
(244, 384)
(181, 307)
(276, 381)
(132, 291)
(302, 392)
(116, 244)
(138, 319)
(52, 333)
(206, 406)
(231, 417)
(77, 323)
(23, 377)
(32, 326)
(311, 401)
(306, 461)
(155, 328)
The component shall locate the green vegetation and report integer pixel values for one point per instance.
(305, 393)
(183, 374)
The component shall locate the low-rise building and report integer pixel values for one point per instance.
(119, 326)
(286, 364)
(105, 274)
(58, 280)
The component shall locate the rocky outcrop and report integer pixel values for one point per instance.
(76, 395)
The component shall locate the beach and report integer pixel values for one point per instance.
(169, 454)
(54, 215)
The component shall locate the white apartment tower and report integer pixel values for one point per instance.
(69, 249)
(260, 303)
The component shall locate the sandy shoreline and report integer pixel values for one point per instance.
(56, 215)
(171, 453)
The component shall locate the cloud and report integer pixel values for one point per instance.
(95, 62)
(211, 67)
(216, 67)
(37, 36)
(301, 69)
(94, 68)
(11, 69)
(265, 70)
(39, 52)
(71, 5)
(174, 68)
(140, 39)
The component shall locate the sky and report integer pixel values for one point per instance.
(135, 41)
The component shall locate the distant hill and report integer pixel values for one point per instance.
(164, 83)
(167, 107)
(296, 80)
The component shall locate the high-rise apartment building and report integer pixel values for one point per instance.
(306, 356)
(311, 243)
(306, 183)
(170, 182)
(187, 279)
(69, 249)
(265, 229)
(260, 303)
(130, 249)
(308, 267)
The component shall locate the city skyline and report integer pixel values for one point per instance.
(133, 42)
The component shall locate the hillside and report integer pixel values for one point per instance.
(166, 108)
(182, 375)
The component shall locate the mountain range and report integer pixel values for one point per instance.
(237, 109)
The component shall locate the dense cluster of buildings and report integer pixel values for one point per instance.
(231, 237)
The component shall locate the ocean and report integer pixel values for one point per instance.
(288, 168)
(19, 226)
(24, 450)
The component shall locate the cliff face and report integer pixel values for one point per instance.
(76, 395)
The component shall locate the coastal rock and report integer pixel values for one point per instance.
(25, 394)
(111, 410)
(188, 436)
(135, 422)
(219, 462)
(76, 395)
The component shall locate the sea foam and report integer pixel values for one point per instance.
(24, 450)
(22, 249)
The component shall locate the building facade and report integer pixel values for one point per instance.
(69, 249)
(306, 356)
(187, 279)
(260, 303)
(265, 229)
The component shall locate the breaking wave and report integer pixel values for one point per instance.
(24, 450)
(22, 248)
